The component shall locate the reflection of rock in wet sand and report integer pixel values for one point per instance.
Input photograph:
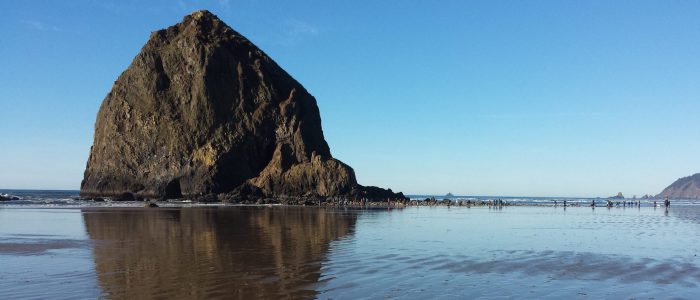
(243, 253)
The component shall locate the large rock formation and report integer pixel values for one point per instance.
(683, 188)
(201, 112)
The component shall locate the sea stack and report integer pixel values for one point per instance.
(618, 196)
(683, 188)
(202, 113)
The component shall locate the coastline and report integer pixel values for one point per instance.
(71, 198)
(368, 205)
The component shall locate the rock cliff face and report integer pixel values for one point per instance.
(683, 188)
(203, 113)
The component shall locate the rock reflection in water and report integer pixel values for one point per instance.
(241, 252)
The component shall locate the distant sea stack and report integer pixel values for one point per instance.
(202, 113)
(618, 196)
(683, 188)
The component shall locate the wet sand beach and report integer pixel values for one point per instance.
(309, 252)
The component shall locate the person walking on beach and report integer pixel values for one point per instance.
(667, 203)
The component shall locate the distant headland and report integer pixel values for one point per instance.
(683, 188)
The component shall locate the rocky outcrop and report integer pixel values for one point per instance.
(683, 188)
(7, 197)
(618, 196)
(203, 113)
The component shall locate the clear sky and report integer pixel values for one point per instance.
(529, 98)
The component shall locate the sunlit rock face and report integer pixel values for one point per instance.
(203, 113)
(242, 253)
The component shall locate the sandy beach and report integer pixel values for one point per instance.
(311, 252)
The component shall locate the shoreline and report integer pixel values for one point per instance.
(43, 199)
(371, 205)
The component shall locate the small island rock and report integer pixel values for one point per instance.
(618, 196)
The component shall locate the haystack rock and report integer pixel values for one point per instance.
(202, 113)
(683, 188)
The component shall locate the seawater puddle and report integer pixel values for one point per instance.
(45, 254)
(518, 252)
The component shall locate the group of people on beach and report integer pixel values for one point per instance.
(468, 203)
(609, 203)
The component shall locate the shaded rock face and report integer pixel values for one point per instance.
(201, 111)
(683, 188)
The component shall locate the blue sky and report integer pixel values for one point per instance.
(529, 98)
